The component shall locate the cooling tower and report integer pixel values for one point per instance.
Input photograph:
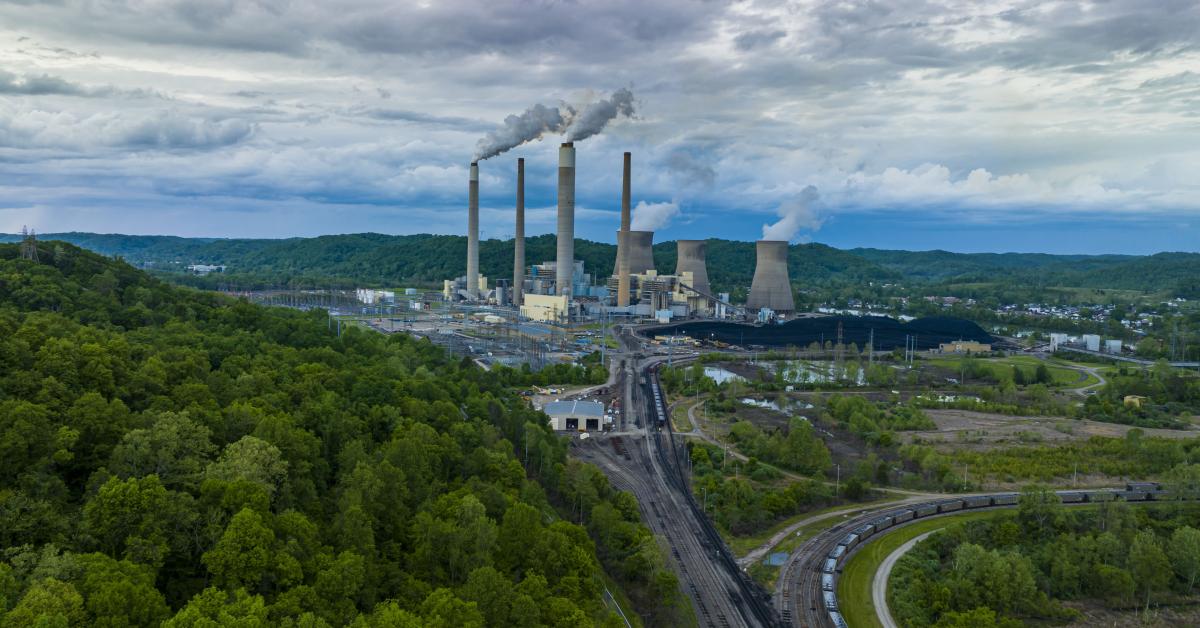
(566, 219)
(771, 287)
(518, 285)
(473, 233)
(623, 286)
(690, 254)
(637, 251)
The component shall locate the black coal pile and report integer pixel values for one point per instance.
(801, 332)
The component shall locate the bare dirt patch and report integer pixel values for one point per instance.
(1096, 616)
(982, 430)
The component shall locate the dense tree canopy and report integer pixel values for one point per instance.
(172, 455)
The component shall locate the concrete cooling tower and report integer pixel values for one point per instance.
(771, 287)
(690, 258)
(641, 257)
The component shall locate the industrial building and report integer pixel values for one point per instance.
(635, 288)
(964, 346)
(576, 416)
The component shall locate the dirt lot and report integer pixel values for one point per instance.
(979, 430)
(1095, 616)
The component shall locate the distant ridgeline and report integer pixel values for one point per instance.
(387, 260)
(889, 332)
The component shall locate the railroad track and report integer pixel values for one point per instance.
(799, 593)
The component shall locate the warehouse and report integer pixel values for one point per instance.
(575, 416)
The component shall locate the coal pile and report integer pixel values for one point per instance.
(801, 332)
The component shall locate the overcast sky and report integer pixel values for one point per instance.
(1002, 126)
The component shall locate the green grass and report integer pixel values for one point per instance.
(1001, 368)
(741, 545)
(854, 586)
(679, 418)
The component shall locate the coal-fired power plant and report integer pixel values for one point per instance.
(771, 287)
(623, 236)
(565, 264)
(473, 233)
(562, 290)
(518, 285)
(690, 259)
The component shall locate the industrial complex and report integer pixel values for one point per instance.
(562, 291)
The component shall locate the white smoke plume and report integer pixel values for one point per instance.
(597, 115)
(653, 216)
(535, 122)
(794, 215)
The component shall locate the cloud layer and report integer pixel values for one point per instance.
(1003, 113)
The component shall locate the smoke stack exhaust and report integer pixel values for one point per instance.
(565, 265)
(771, 287)
(519, 239)
(623, 286)
(473, 233)
(690, 256)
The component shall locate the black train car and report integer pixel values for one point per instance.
(1072, 497)
(950, 505)
(924, 510)
(978, 501)
(1006, 499)
(904, 515)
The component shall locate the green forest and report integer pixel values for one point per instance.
(175, 457)
(1038, 565)
(386, 260)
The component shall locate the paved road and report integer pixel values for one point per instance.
(879, 584)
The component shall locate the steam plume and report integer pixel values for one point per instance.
(597, 115)
(653, 216)
(794, 215)
(530, 125)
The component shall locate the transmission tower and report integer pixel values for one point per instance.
(28, 244)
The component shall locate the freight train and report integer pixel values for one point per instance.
(1133, 492)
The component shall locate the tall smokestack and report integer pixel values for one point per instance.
(690, 258)
(473, 233)
(622, 239)
(566, 218)
(771, 287)
(519, 238)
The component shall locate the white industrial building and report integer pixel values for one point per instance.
(575, 416)
(1112, 346)
(1058, 339)
(1091, 342)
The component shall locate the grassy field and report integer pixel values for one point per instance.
(679, 417)
(741, 545)
(854, 586)
(1001, 368)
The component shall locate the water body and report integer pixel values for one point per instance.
(804, 372)
(889, 332)
(720, 375)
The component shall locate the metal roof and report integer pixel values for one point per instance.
(574, 408)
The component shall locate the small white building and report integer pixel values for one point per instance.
(1091, 342)
(1058, 339)
(575, 416)
(1112, 346)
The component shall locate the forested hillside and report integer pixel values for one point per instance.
(377, 259)
(169, 455)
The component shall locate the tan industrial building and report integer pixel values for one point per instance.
(545, 308)
(964, 346)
